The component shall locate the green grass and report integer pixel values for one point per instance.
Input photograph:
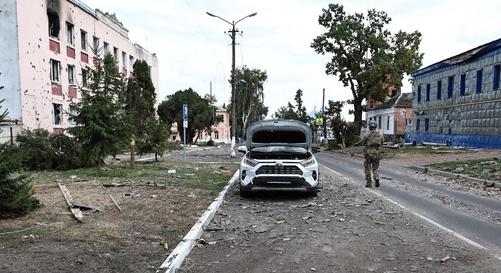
(424, 150)
(479, 168)
(197, 176)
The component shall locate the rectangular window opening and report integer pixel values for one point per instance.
(83, 39)
(419, 94)
(71, 74)
(450, 87)
(53, 24)
(462, 85)
(95, 44)
(69, 33)
(418, 124)
(479, 81)
(426, 124)
(54, 71)
(388, 123)
(495, 77)
(124, 60)
(85, 76)
(439, 90)
(428, 90)
(379, 122)
(106, 48)
(58, 111)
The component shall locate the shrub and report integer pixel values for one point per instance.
(36, 149)
(67, 153)
(16, 195)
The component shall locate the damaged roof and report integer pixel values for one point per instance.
(467, 56)
(402, 101)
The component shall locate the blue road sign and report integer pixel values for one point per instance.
(185, 112)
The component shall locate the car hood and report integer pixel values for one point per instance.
(278, 133)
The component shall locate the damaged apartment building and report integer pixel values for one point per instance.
(46, 52)
(458, 101)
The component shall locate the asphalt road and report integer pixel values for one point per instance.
(469, 227)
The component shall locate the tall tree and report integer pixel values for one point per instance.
(140, 106)
(199, 112)
(296, 112)
(101, 125)
(249, 97)
(365, 55)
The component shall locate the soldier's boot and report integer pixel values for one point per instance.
(377, 183)
(368, 184)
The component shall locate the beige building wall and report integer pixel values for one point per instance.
(37, 50)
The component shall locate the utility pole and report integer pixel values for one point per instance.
(323, 115)
(232, 32)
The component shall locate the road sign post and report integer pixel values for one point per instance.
(185, 125)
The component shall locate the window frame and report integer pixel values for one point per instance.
(479, 79)
(57, 119)
(462, 85)
(71, 76)
(70, 31)
(439, 90)
(428, 92)
(450, 87)
(83, 40)
(55, 72)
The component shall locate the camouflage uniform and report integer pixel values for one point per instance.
(372, 142)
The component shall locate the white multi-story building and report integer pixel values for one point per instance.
(46, 50)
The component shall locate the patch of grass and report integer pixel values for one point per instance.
(480, 168)
(420, 150)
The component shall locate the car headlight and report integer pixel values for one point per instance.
(308, 162)
(250, 162)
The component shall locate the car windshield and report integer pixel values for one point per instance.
(279, 149)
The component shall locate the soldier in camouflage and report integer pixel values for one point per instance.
(372, 142)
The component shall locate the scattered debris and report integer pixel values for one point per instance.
(445, 259)
(386, 178)
(154, 196)
(113, 185)
(69, 200)
(171, 171)
(166, 246)
(115, 202)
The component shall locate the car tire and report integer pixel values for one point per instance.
(244, 192)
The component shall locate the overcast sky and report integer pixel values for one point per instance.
(193, 49)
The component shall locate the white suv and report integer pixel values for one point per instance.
(278, 157)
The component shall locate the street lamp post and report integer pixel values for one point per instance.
(233, 31)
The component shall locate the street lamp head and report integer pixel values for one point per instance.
(254, 14)
(210, 14)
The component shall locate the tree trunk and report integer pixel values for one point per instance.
(156, 157)
(357, 106)
(132, 162)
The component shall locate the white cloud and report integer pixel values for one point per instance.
(193, 49)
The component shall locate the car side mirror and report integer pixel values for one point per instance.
(242, 149)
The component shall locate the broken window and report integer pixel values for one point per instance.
(57, 113)
(54, 71)
(53, 24)
(72, 113)
(69, 33)
(124, 60)
(115, 53)
(95, 43)
(131, 62)
(85, 76)
(106, 48)
(83, 39)
(71, 74)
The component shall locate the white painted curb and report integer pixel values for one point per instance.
(183, 249)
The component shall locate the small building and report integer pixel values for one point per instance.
(46, 51)
(219, 133)
(392, 116)
(457, 101)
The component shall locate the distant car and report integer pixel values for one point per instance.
(278, 157)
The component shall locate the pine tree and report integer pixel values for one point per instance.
(140, 100)
(100, 117)
(16, 195)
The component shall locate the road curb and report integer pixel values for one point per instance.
(183, 249)
(479, 181)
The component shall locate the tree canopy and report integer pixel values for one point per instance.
(296, 112)
(199, 112)
(249, 97)
(100, 119)
(365, 55)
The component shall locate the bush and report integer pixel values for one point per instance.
(67, 153)
(36, 149)
(210, 142)
(16, 195)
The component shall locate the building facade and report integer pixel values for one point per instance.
(46, 51)
(392, 117)
(458, 101)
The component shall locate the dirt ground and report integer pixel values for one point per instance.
(158, 209)
(345, 229)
